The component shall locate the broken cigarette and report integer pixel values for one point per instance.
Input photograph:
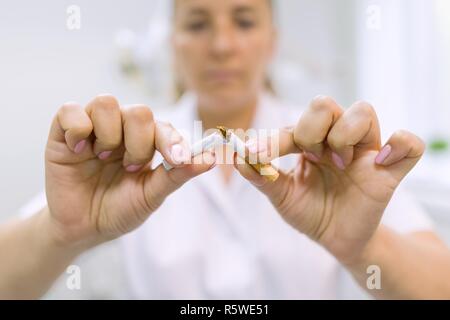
(266, 170)
(225, 136)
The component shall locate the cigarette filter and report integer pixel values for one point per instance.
(266, 170)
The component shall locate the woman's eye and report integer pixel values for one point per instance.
(245, 23)
(196, 26)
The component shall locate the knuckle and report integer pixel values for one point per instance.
(81, 130)
(322, 103)
(421, 146)
(336, 140)
(364, 108)
(305, 142)
(77, 125)
(139, 156)
(106, 102)
(108, 143)
(140, 113)
(402, 135)
(68, 107)
(169, 133)
(415, 143)
(166, 124)
(175, 137)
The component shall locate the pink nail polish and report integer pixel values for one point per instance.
(133, 168)
(104, 155)
(80, 146)
(253, 148)
(384, 153)
(337, 160)
(312, 157)
(177, 153)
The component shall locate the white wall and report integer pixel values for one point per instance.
(42, 65)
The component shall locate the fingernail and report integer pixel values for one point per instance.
(251, 145)
(104, 155)
(337, 160)
(384, 153)
(253, 149)
(178, 154)
(134, 168)
(312, 157)
(254, 146)
(79, 146)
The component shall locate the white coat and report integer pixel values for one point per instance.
(214, 241)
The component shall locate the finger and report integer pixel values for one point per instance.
(308, 135)
(275, 190)
(356, 130)
(401, 153)
(171, 144)
(267, 148)
(314, 125)
(248, 172)
(73, 126)
(160, 183)
(139, 136)
(106, 117)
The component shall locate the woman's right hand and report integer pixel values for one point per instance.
(99, 183)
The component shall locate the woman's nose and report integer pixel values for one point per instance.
(223, 41)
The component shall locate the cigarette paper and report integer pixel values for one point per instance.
(225, 136)
(206, 144)
(266, 170)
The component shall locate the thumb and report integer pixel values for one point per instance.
(401, 153)
(276, 190)
(160, 183)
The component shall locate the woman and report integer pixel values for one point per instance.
(215, 236)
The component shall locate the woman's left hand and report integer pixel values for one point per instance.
(344, 179)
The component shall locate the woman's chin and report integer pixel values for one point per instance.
(222, 99)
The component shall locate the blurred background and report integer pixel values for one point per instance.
(394, 54)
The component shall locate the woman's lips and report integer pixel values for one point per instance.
(221, 75)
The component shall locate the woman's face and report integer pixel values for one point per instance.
(222, 48)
